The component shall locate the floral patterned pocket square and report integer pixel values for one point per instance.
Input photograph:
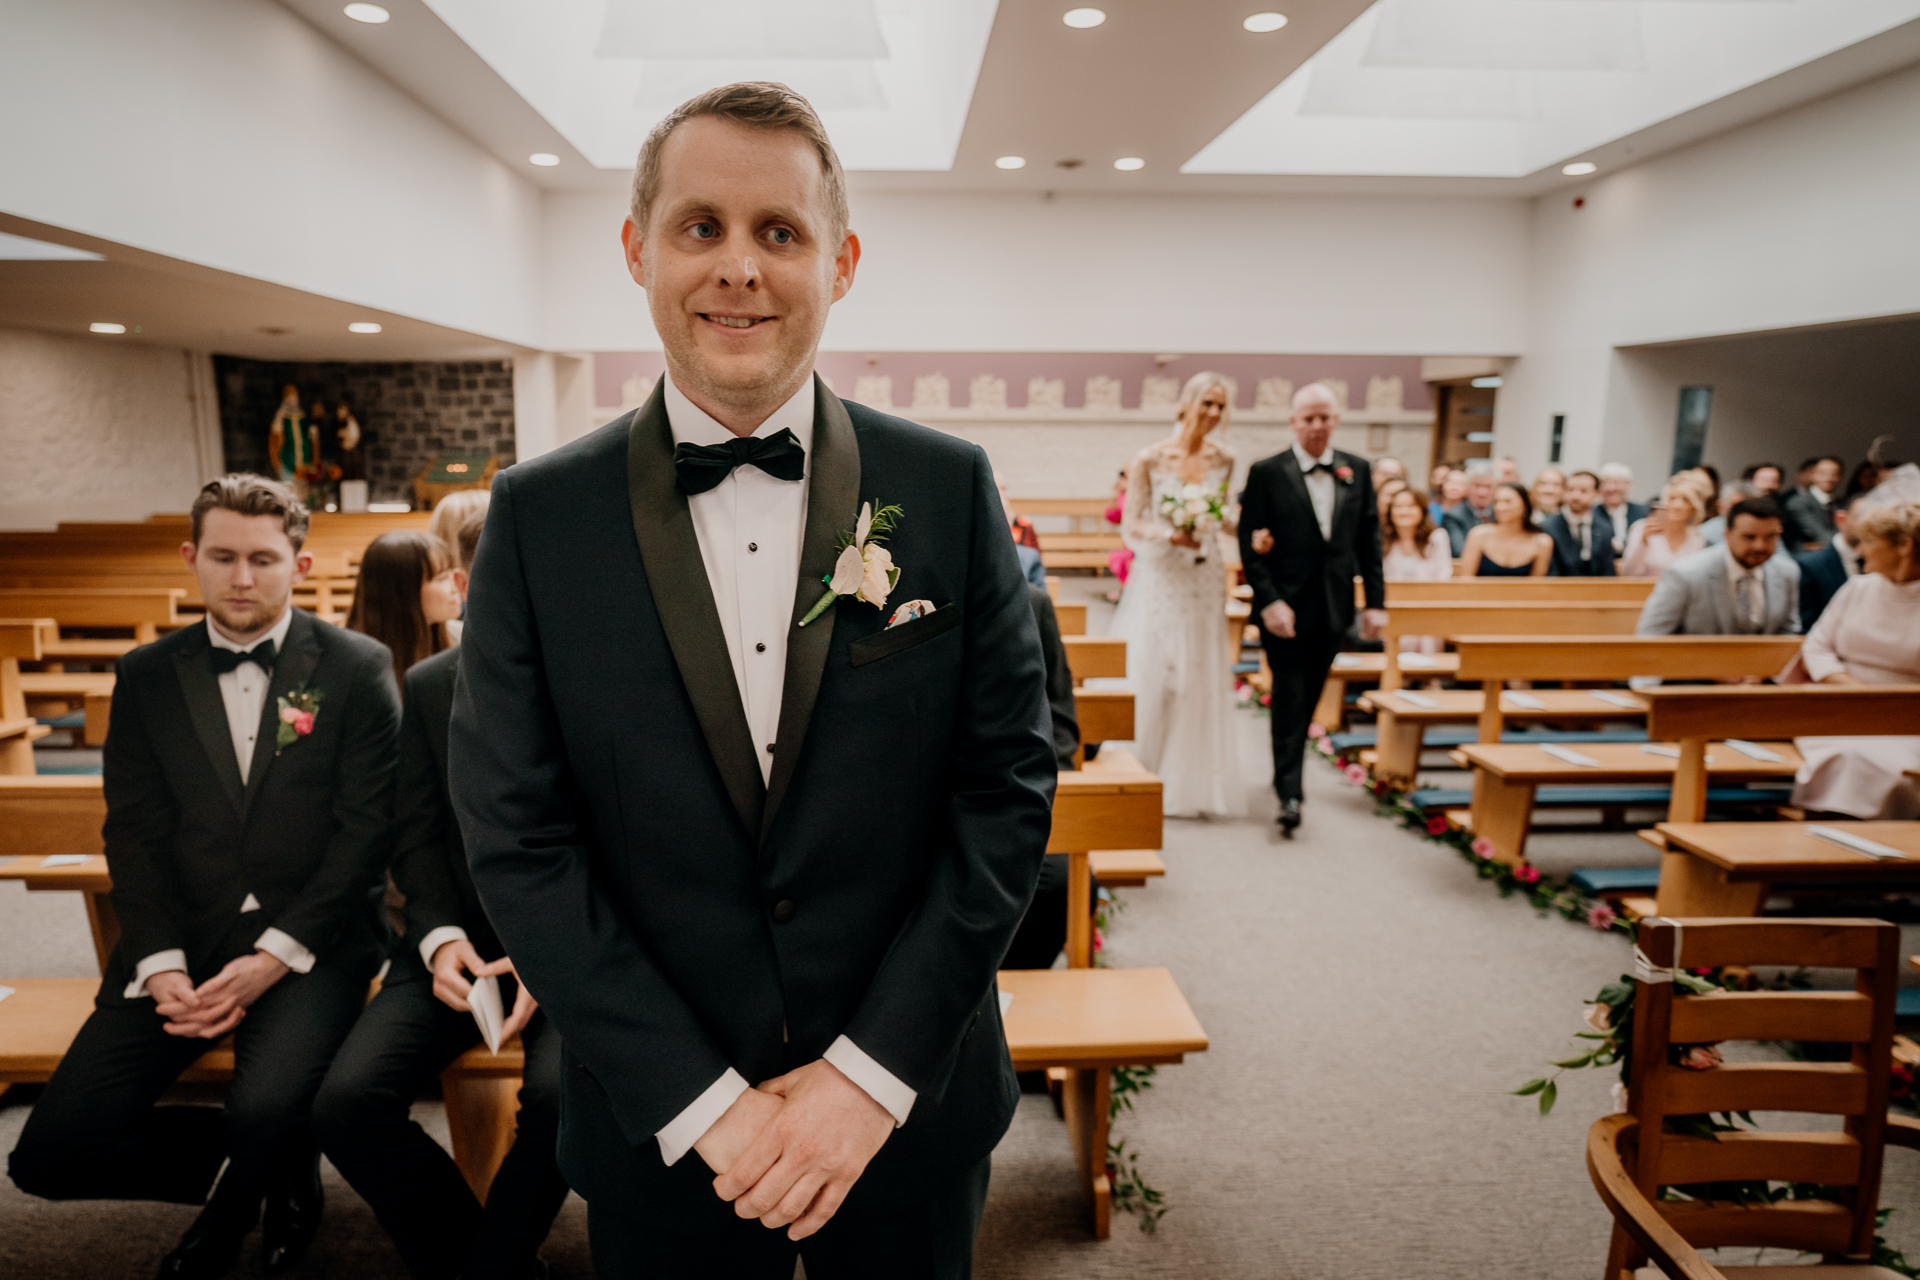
(909, 611)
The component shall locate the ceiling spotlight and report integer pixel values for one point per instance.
(1265, 21)
(101, 326)
(1083, 18)
(369, 13)
(545, 159)
(1127, 164)
(363, 326)
(1579, 168)
(1010, 162)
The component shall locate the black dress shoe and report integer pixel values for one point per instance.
(294, 1206)
(1289, 816)
(208, 1250)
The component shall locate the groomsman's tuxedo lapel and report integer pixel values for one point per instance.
(833, 506)
(209, 713)
(683, 597)
(291, 669)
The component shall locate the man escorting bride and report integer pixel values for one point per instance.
(1172, 614)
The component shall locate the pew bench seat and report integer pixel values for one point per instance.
(1126, 868)
(1330, 713)
(91, 690)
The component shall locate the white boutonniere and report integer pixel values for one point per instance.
(865, 568)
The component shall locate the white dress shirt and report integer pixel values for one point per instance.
(1581, 527)
(244, 692)
(1618, 517)
(1319, 487)
(1749, 588)
(750, 527)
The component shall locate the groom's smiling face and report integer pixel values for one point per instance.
(741, 261)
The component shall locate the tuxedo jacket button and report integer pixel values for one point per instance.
(783, 911)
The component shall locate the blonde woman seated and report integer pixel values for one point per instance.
(1671, 530)
(1510, 547)
(1868, 634)
(1416, 551)
(1549, 488)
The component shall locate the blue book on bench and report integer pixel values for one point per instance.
(1597, 881)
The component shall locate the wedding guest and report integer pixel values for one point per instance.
(1383, 495)
(454, 510)
(1388, 468)
(1507, 471)
(1024, 534)
(1582, 538)
(248, 783)
(422, 1020)
(1824, 572)
(1436, 484)
(1864, 478)
(1509, 547)
(1668, 532)
(1415, 552)
(1869, 634)
(1120, 559)
(1043, 930)
(1714, 531)
(1549, 490)
(1475, 509)
(1810, 507)
(1451, 493)
(1766, 477)
(406, 595)
(1616, 483)
(1738, 588)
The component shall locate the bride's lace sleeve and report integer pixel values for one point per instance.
(1142, 524)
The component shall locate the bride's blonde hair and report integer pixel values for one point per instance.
(1197, 386)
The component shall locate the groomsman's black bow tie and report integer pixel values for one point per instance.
(225, 660)
(1319, 466)
(702, 466)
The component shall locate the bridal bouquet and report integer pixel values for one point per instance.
(1196, 512)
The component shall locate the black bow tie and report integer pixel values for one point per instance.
(702, 466)
(1319, 466)
(225, 660)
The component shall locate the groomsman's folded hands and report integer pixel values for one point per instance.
(217, 1005)
(789, 1151)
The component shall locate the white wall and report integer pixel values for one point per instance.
(101, 430)
(1805, 218)
(229, 133)
(969, 272)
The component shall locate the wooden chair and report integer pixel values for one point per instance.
(20, 639)
(1631, 1156)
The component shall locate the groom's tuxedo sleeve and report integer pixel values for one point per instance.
(526, 835)
(935, 976)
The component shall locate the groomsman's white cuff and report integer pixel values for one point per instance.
(881, 1084)
(705, 1111)
(173, 961)
(285, 950)
(439, 938)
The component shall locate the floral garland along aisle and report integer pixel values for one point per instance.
(1130, 1190)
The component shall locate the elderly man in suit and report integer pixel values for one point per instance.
(1740, 588)
(249, 778)
(1617, 504)
(1582, 536)
(1475, 508)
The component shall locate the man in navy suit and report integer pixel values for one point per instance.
(1824, 572)
(1582, 535)
(751, 755)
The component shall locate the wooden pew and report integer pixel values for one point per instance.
(1084, 515)
(143, 610)
(59, 815)
(1096, 656)
(1072, 618)
(1112, 804)
(1515, 591)
(1078, 550)
(93, 690)
(87, 877)
(1500, 618)
(20, 639)
(1106, 715)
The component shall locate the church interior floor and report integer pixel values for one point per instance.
(1369, 1002)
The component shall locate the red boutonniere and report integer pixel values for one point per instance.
(1343, 474)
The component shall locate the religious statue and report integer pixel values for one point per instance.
(289, 444)
(353, 463)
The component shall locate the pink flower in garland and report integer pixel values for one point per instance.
(1482, 847)
(1526, 874)
(1701, 1057)
(1602, 916)
(1316, 730)
(1356, 774)
(1436, 826)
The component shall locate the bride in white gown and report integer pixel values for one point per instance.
(1172, 613)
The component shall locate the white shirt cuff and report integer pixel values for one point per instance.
(173, 961)
(439, 938)
(881, 1084)
(284, 949)
(692, 1124)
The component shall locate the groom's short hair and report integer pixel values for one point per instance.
(756, 104)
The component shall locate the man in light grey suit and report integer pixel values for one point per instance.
(1737, 588)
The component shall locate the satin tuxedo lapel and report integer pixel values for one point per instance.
(833, 496)
(1297, 480)
(291, 670)
(683, 597)
(1343, 495)
(208, 711)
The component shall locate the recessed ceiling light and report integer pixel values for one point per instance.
(1010, 162)
(1265, 21)
(1083, 18)
(1127, 164)
(1579, 168)
(372, 13)
(545, 159)
(363, 326)
(101, 326)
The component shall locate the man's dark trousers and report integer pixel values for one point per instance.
(1299, 665)
(407, 1038)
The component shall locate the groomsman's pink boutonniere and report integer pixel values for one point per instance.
(865, 569)
(1343, 474)
(298, 709)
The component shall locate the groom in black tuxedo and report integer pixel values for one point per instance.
(757, 852)
(244, 843)
(1308, 528)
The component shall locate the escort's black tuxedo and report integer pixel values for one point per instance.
(408, 1036)
(1314, 576)
(1566, 548)
(186, 843)
(677, 917)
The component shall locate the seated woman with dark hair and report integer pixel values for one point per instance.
(405, 596)
(1510, 547)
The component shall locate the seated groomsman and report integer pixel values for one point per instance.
(1582, 535)
(1824, 572)
(249, 777)
(1739, 588)
(421, 1021)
